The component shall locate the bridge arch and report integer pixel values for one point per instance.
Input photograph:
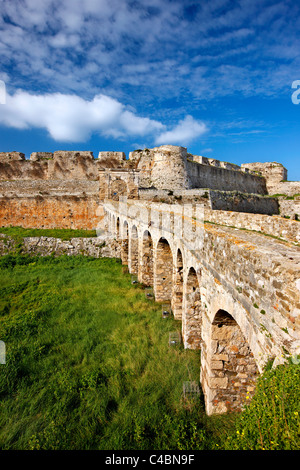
(177, 296)
(118, 234)
(113, 225)
(228, 367)
(125, 243)
(133, 258)
(191, 315)
(146, 260)
(163, 271)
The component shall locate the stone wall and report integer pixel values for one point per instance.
(241, 202)
(216, 200)
(177, 196)
(276, 177)
(274, 226)
(51, 190)
(41, 211)
(213, 177)
(172, 168)
(49, 246)
(66, 187)
(290, 206)
(46, 165)
(288, 188)
(273, 172)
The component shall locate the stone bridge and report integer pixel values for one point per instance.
(235, 291)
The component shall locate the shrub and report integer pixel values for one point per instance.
(272, 420)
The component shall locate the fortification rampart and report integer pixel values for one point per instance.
(172, 168)
(216, 200)
(276, 178)
(214, 177)
(65, 187)
(46, 165)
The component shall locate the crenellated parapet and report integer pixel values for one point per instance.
(167, 173)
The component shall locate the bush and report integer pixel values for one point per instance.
(272, 420)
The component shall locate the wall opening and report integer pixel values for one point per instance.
(177, 296)
(118, 228)
(232, 365)
(118, 188)
(134, 251)
(124, 244)
(191, 325)
(163, 271)
(113, 225)
(146, 266)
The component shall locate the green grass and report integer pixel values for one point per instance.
(88, 365)
(272, 420)
(19, 233)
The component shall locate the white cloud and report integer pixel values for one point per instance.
(70, 118)
(150, 45)
(187, 130)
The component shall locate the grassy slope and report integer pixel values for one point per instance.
(88, 365)
(65, 234)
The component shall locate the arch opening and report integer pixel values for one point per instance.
(113, 225)
(177, 296)
(125, 244)
(134, 251)
(146, 265)
(231, 366)
(118, 228)
(163, 271)
(191, 325)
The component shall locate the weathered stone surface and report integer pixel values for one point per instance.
(11, 156)
(237, 294)
(209, 246)
(47, 246)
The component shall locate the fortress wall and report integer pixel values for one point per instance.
(273, 172)
(216, 200)
(289, 188)
(23, 170)
(49, 203)
(51, 190)
(240, 202)
(290, 207)
(185, 196)
(31, 188)
(213, 177)
(49, 212)
(45, 165)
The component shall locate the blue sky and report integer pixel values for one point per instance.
(213, 76)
